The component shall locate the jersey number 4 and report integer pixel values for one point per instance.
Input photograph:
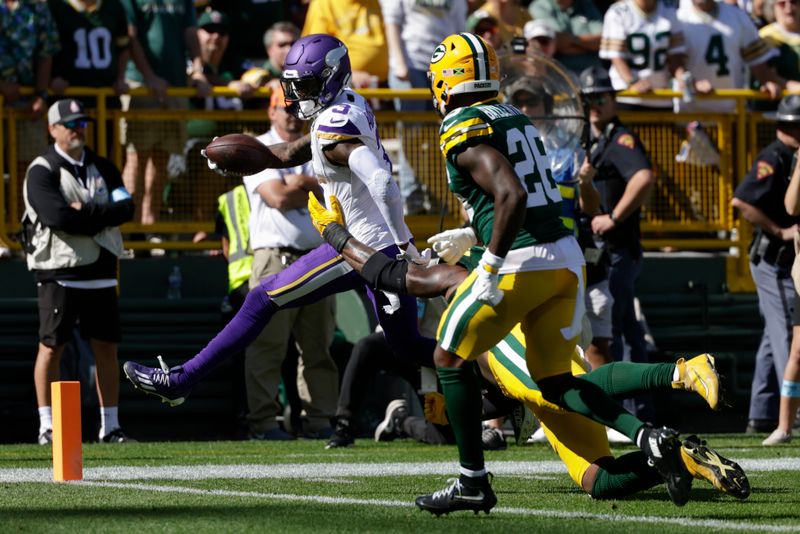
(540, 186)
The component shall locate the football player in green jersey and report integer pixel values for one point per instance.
(531, 273)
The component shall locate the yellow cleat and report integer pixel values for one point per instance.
(699, 375)
(705, 463)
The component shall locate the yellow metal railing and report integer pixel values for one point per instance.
(689, 209)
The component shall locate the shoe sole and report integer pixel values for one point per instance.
(676, 476)
(387, 421)
(171, 402)
(706, 464)
(458, 507)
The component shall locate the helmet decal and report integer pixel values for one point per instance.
(438, 53)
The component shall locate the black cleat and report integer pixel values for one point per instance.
(342, 434)
(457, 497)
(663, 451)
(391, 427)
(706, 464)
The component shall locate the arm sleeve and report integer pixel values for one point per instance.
(612, 42)
(364, 163)
(754, 50)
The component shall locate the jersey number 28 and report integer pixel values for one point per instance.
(539, 185)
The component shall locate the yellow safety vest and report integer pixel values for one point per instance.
(234, 206)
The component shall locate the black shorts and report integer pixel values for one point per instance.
(61, 307)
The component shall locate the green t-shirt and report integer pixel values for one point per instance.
(160, 26)
(505, 128)
(581, 18)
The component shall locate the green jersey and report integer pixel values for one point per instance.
(510, 132)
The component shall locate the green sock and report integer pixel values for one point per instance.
(621, 380)
(463, 397)
(589, 399)
(623, 476)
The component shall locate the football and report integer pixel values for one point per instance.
(238, 154)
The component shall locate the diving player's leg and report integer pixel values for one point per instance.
(319, 273)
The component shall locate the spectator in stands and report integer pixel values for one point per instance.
(644, 41)
(278, 39)
(28, 42)
(165, 35)
(251, 18)
(578, 25)
(620, 169)
(74, 203)
(413, 30)
(509, 14)
(540, 37)
(790, 385)
(484, 25)
(760, 200)
(213, 36)
(784, 36)
(359, 25)
(95, 47)
(721, 43)
(281, 232)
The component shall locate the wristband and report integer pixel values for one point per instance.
(491, 263)
(336, 236)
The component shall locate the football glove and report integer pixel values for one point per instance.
(435, 408)
(485, 289)
(321, 216)
(450, 245)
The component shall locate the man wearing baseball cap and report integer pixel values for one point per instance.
(74, 203)
(760, 199)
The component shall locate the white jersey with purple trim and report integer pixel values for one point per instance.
(644, 40)
(350, 117)
(720, 45)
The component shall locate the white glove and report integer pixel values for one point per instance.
(485, 288)
(450, 245)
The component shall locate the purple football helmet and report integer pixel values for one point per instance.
(316, 71)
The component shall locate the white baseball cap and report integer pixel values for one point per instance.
(537, 28)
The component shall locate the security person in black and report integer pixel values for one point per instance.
(74, 203)
(759, 199)
(621, 171)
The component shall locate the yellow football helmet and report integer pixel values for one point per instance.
(462, 63)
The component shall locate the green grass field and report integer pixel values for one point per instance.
(300, 487)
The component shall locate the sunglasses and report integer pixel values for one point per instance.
(784, 3)
(543, 40)
(213, 28)
(598, 100)
(72, 125)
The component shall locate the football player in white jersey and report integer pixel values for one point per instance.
(721, 44)
(644, 41)
(349, 162)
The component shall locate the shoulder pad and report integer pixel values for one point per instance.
(340, 122)
(462, 125)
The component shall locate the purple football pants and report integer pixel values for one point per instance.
(315, 275)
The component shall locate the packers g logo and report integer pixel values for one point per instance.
(438, 53)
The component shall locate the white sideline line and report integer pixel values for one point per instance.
(331, 470)
(559, 514)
